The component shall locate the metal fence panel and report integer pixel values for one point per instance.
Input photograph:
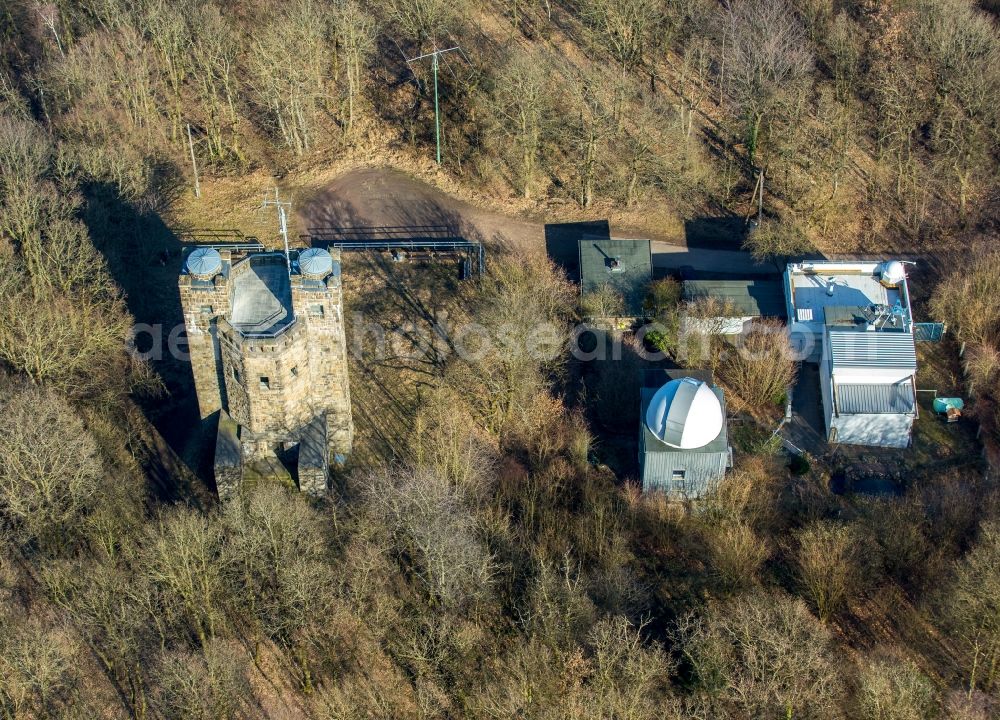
(928, 332)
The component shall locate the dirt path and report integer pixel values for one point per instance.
(387, 197)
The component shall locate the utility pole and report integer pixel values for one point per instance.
(194, 164)
(437, 112)
(282, 220)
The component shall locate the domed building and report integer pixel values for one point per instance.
(683, 441)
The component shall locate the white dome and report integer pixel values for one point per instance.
(204, 263)
(315, 263)
(893, 273)
(685, 413)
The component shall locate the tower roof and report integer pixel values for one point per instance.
(315, 263)
(204, 263)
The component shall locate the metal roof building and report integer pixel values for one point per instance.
(625, 265)
(854, 319)
(683, 439)
(878, 352)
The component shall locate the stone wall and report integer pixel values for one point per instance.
(228, 458)
(320, 306)
(203, 304)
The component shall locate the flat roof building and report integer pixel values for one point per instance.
(855, 321)
(625, 265)
(738, 302)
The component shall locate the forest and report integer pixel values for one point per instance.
(488, 566)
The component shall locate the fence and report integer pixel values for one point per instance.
(928, 332)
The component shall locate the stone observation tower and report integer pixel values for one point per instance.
(268, 353)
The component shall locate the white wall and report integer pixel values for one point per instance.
(716, 326)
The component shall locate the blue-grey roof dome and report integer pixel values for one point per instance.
(315, 263)
(204, 263)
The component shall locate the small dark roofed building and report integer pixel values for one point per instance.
(740, 302)
(625, 265)
(683, 440)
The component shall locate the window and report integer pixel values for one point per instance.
(677, 480)
(207, 310)
(295, 372)
(265, 382)
(316, 311)
(236, 375)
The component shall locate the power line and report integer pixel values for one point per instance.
(434, 65)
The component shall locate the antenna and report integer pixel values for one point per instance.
(437, 113)
(282, 220)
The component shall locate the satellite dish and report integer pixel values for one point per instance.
(892, 273)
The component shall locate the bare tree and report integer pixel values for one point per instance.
(826, 564)
(966, 297)
(446, 440)
(762, 656)
(521, 308)
(894, 688)
(291, 87)
(737, 551)
(776, 240)
(425, 21)
(762, 367)
(207, 685)
(523, 101)
(604, 301)
(435, 529)
(50, 468)
(38, 670)
(277, 571)
(970, 607)
(183, 563)
(766, 59)
(354, 33)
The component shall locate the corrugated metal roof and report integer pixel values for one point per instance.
(860, 349)
(875, 399)
(750, 298)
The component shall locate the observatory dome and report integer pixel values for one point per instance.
(893, 273)
(315, 263)
(685, 414)
(204, 263)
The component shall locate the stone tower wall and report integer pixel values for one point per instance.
(203, 304)
(275, 409)
(292, 387)
(319, 307)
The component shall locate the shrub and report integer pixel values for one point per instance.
(760, 369)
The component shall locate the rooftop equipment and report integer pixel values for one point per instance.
(204, 263)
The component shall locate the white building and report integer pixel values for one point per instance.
(854, 319)
(683, 440)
